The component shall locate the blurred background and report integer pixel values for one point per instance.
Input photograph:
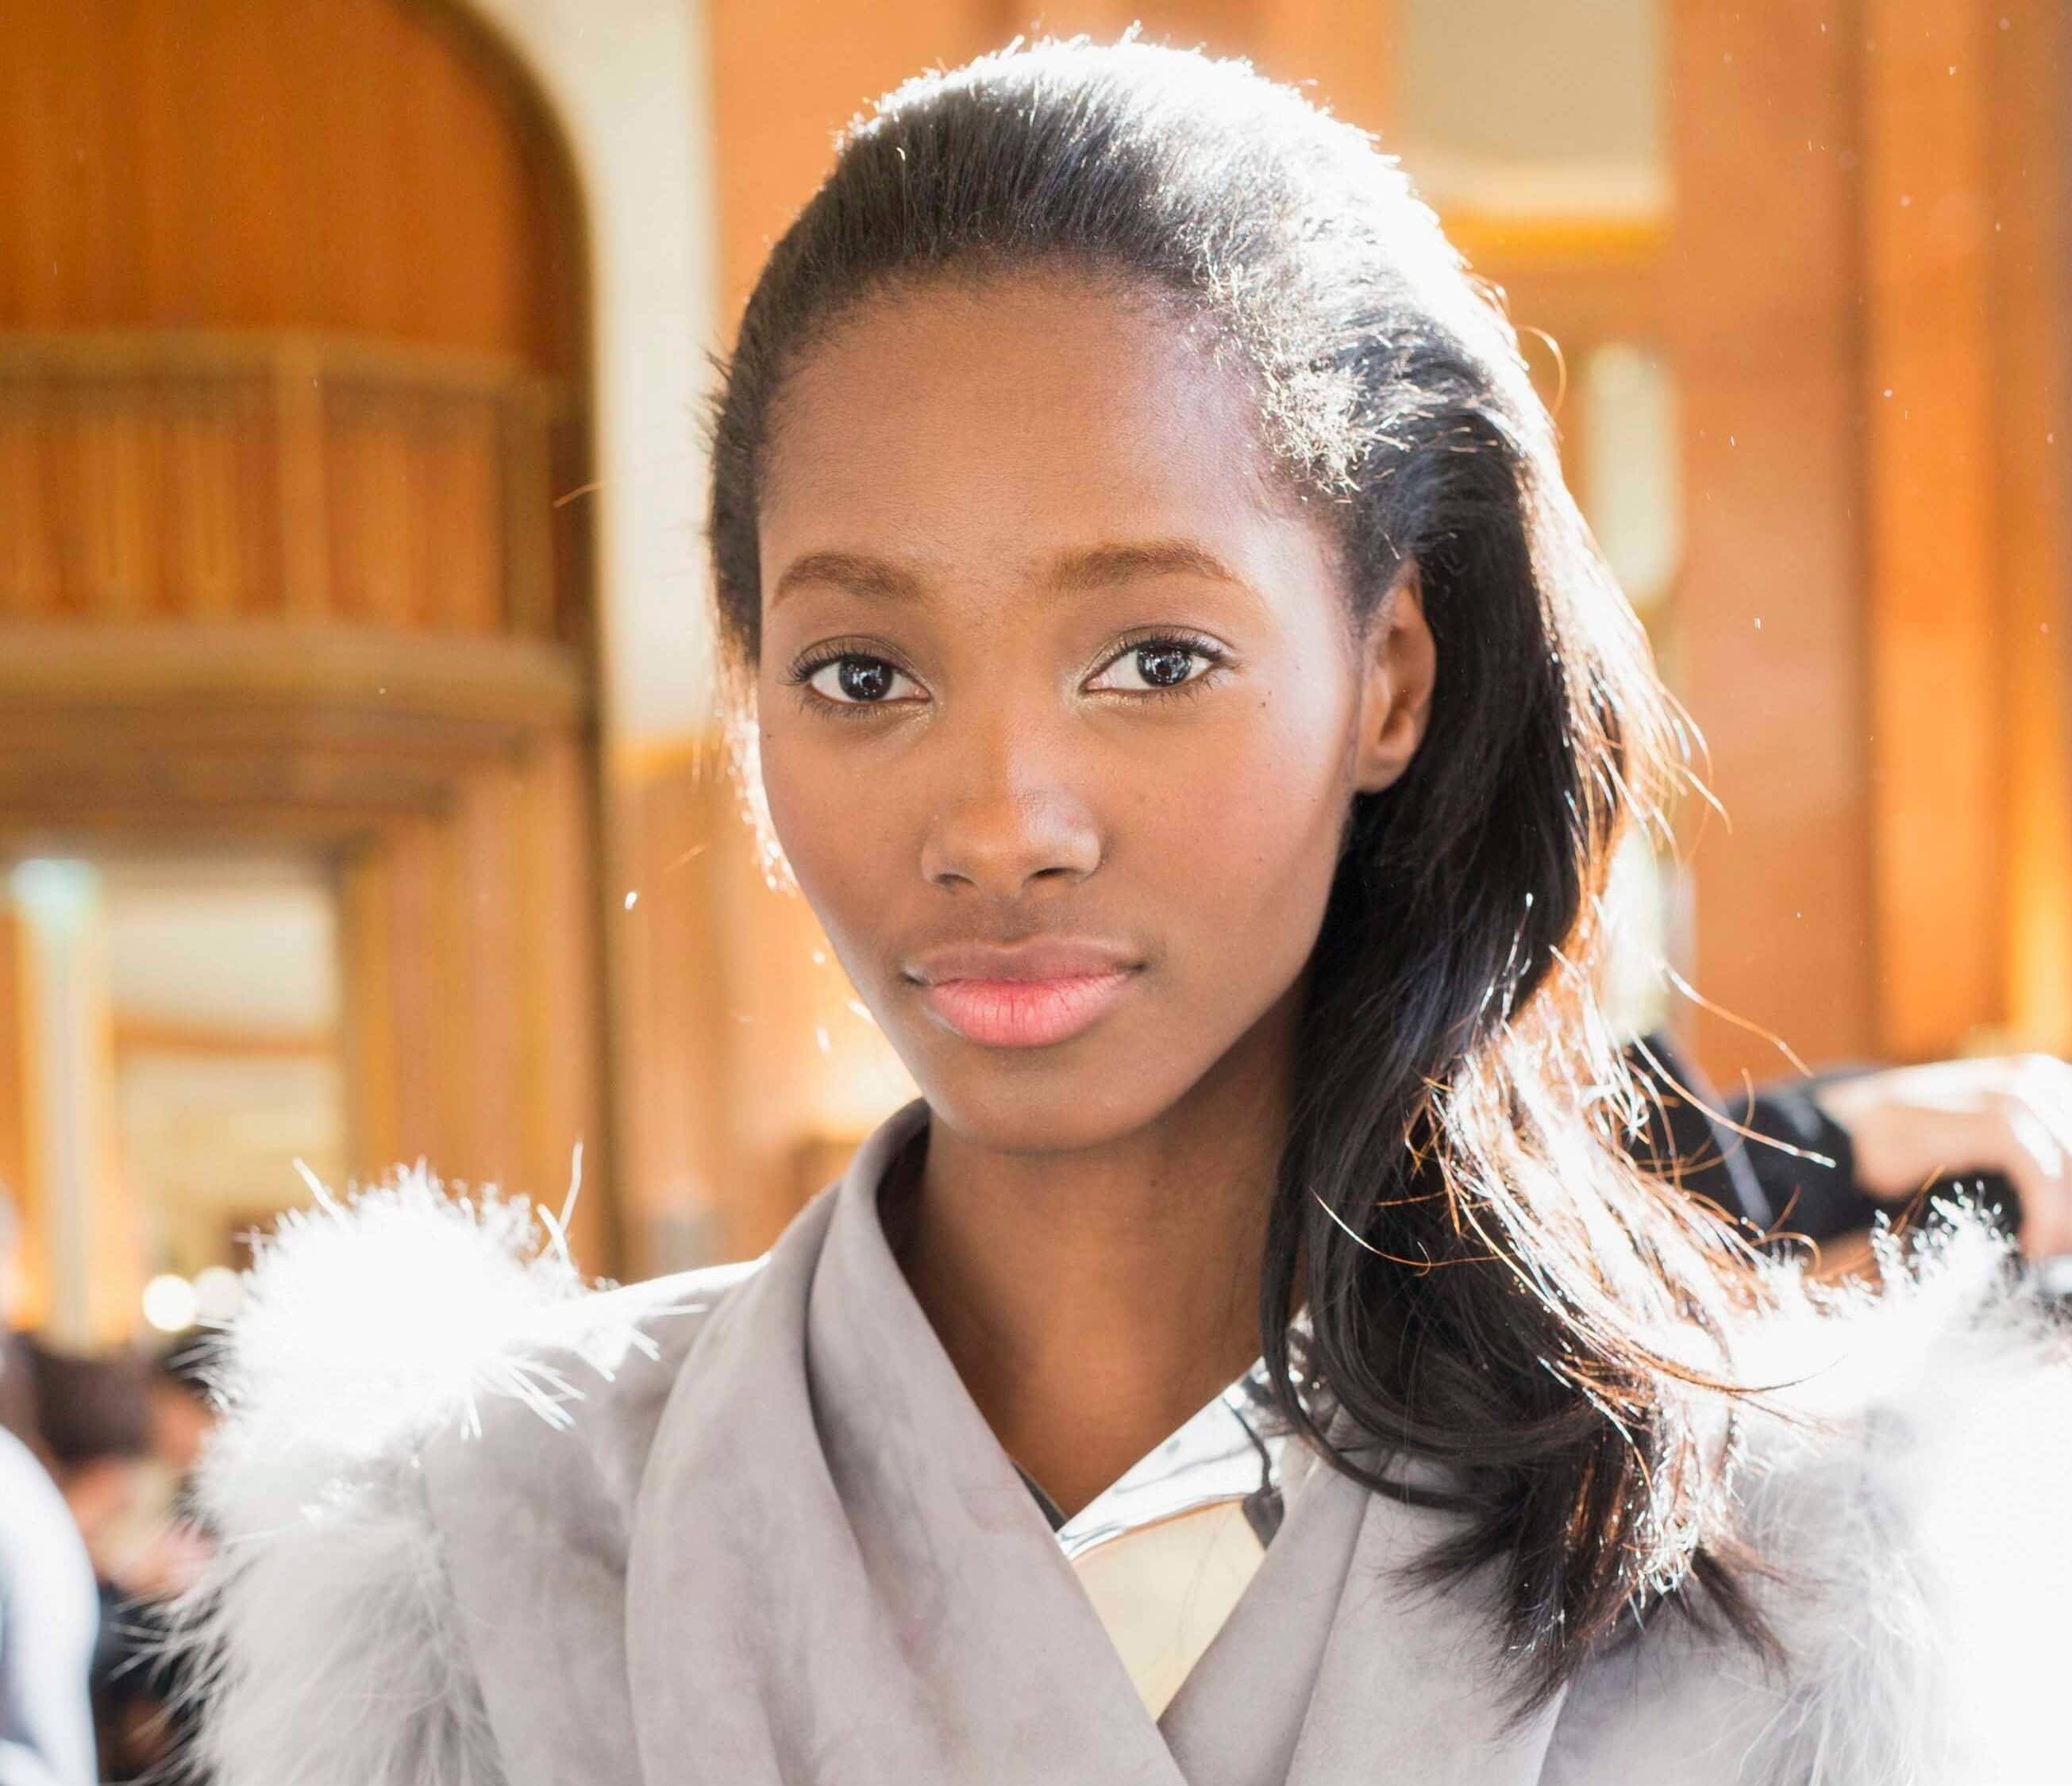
(359, 792)
(361, 798)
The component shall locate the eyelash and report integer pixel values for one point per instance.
(801, 672)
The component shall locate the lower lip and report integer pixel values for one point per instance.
(1025, 1013)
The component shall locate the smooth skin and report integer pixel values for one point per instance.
(1049, 651)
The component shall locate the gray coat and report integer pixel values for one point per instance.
(746, 1527)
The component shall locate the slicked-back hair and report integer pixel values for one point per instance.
(1462, 1264)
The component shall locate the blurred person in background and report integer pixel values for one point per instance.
(1823, 1158)
(1183, 688)
(18, 1389)
(157, 1691)
(99, 1424)
(50, 1614)
(49, 1622)
(183, 1416)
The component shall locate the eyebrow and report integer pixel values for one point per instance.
(1091, 568)
(848, 570)
(1105, 566)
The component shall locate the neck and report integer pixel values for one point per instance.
(1091, 1301)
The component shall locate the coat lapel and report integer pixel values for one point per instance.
(837, 1576)
(1412, 1678)
(1238, 1716)
(1334, 1670)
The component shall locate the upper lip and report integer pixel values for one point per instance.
(1037, 959)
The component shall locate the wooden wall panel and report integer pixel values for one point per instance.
(561, 1029)
(2030, 71)
(1936, 713)
(421, 998)
(371, 166)
(1340, 50)
(1871, 307)
(207, 477)
(375, 516)
(675, 968)
(485, 978)
(1762, 313)
(367, 1032)
(470, 944)
(1346, 46)
(787, 75)
(1965, 388)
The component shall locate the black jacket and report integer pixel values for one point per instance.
(1771, 1157)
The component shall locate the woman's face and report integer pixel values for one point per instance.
(1060, 710)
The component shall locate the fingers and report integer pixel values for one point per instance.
(2026, 1151)
(2036, 1109)
(1910, 1126)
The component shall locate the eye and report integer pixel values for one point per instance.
(1157, 665)
(852, 680)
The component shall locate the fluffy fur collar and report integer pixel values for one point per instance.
(328, 1646)
(1916, 1502)
(1910, 1490)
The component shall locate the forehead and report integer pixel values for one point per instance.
(1007, 415)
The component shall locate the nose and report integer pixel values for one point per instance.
(1013, 822)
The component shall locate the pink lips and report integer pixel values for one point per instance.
(1023, 995)
(1024, 1013)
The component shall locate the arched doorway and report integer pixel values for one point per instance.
(294, 399)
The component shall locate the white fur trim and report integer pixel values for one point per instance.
(328, 1642)
(1914, 1505)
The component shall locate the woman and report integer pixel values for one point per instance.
(1186, 694)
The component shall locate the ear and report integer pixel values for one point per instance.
(1400, 663)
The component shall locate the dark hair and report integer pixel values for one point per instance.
(1485, 1280)
(90, 1408)
(190, 1363)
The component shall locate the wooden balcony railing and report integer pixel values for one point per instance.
(158, 477)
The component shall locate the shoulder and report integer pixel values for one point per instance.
(399, 1351)
(375, 1323)
(46, 1592)
(43, 1559)
(1900, 1479)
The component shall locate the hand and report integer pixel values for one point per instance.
(1910, 1126)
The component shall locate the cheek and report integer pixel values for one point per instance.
(1251, 832)
(834, 825)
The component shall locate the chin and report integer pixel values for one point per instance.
(1038, 1100)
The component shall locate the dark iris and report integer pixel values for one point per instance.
(864, 678)
(1163, 666)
